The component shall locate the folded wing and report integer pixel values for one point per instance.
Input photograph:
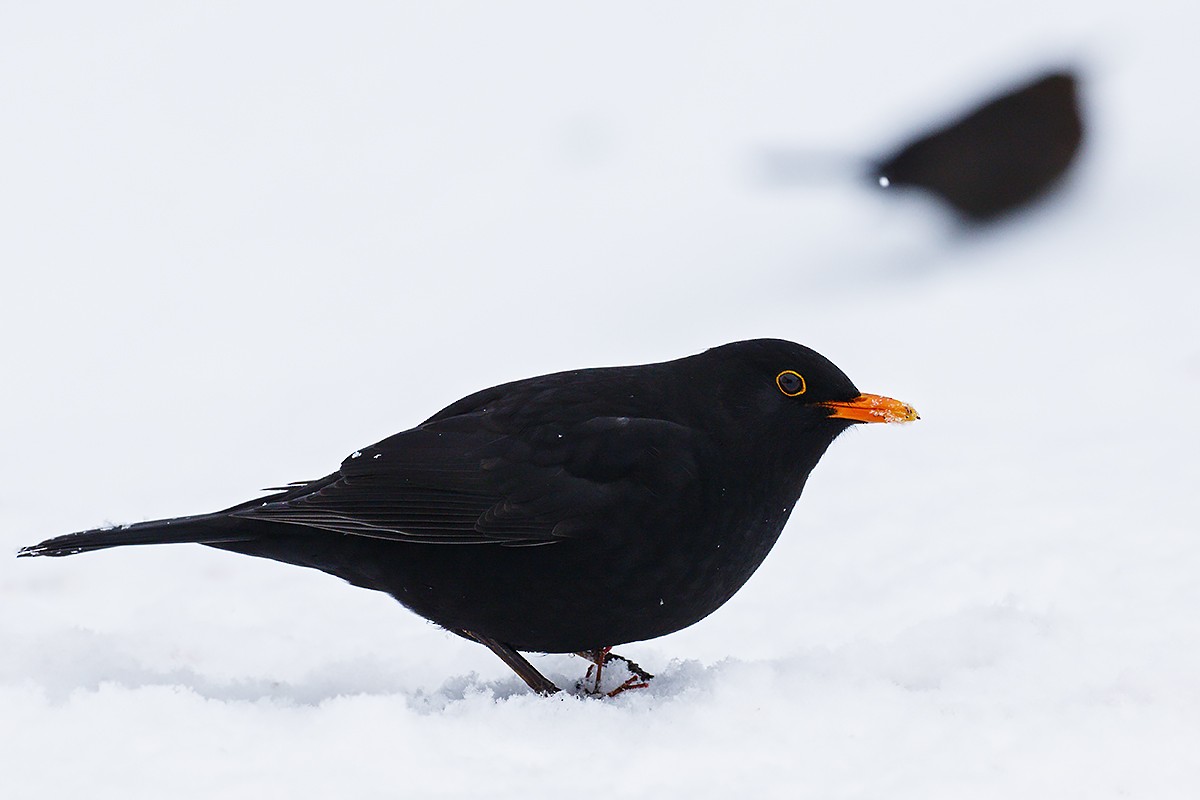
(460, 481)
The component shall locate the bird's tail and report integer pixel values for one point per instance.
(204, 528)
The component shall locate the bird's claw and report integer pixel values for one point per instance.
(638, 677)
(632, 682)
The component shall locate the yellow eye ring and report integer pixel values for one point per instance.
(791, 383)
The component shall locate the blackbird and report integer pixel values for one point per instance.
(1000, 156)
(565, 513)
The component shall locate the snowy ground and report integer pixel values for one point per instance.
(239, 242)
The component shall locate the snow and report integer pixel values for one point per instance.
(259, 237)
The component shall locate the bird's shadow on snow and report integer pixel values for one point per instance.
(77, 661)
(925, 657)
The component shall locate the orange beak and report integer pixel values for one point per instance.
(872, 408)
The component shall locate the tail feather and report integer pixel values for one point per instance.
(204, 529)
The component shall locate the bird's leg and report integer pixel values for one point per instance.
(598, 658)
(536, 680)
(638, 678)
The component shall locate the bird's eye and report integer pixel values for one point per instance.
(790, 383)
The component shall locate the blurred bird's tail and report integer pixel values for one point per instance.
(204, 529)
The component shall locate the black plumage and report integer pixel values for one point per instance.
(563, 513)
(999, 156)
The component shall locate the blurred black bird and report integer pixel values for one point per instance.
(564, 513)
(1000, 156)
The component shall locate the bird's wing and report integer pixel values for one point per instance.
(446, 482)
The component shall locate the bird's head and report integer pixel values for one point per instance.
(785, 391)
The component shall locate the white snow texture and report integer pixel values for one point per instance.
(241, 240)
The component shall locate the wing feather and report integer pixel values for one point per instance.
(457, 483)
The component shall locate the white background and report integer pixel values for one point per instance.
(239, 241)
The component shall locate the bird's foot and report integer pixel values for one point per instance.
(602, 657)
(632, 682)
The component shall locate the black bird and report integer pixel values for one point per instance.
(564, 513)
(999, 156)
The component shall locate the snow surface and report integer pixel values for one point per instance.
(240, 241)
